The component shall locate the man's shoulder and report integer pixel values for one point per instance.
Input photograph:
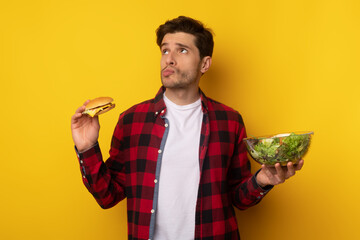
(221, 111)
(215, 105)
(140, 108)
(144, 106)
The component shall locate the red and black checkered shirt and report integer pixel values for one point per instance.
(135, 157)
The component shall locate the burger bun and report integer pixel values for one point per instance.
(99, 106)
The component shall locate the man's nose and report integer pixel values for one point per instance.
(171, 59)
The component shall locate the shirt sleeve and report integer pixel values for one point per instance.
(245, 191)
(104, 180)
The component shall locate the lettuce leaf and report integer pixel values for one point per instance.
(272, 150)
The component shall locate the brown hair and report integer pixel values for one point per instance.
(204, 38)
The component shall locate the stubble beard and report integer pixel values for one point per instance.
(182, 80)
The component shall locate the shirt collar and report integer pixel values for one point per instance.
(160, 106)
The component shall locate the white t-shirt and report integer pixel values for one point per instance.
(180, 173)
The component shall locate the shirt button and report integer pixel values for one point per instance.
(159, 151)
(152, 210)
(166, 125)
(155, 181)
(83, 176)
(261, 193)
(81, 161)
(156, 113)
(162, 111)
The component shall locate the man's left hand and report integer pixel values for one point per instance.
(274, 175)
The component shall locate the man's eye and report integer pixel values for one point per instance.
(184, 50)
(165, 51)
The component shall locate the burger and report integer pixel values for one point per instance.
(99, 106)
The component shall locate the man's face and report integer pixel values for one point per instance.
(180, 61)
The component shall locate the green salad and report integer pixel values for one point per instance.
(278, 149)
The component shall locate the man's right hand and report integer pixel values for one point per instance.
(84, 129)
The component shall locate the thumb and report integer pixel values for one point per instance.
(95, 120)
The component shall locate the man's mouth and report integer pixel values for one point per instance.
(167, 72)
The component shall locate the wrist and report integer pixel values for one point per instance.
(259, 178)
(83, 149)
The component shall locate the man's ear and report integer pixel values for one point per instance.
(205, 64)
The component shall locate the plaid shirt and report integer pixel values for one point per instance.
(133, 168)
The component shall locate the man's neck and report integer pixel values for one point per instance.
(182, 96)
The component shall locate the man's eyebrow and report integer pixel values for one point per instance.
(182, 45)
(178, 44)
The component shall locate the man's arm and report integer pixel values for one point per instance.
(105, 181)
(245, 190)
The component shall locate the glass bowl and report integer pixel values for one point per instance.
(280, 148)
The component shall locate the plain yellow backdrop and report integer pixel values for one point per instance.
(284, 65)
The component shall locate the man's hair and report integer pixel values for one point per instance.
(204, 38)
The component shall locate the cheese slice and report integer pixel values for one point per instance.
(92, 112)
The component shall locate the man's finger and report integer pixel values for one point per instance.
(76, 116)
(86, 102)
(280, 173)
(290, 169)
(80, 109)
(299, 165)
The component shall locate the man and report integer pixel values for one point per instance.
(179, 158)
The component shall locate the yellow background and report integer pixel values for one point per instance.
(285, 65)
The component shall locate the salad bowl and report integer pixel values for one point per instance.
(280, 148)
